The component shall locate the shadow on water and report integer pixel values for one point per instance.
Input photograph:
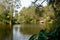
(5, 32)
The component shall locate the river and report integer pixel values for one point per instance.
(17, 35)
(5, 32)
(25, 31)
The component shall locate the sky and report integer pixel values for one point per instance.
(27, 3)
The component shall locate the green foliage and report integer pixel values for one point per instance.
(33, 37)
(53, 12)
(5, 14)
(56, 7)
(54, 34)
(32, 14)
(28, 15)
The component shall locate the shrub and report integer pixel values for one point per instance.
(54, 34)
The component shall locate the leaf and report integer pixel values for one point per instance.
(42, 35)
(32, 37)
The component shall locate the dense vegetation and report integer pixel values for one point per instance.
(44, 35)
(34, 15)
(53, 34)
(5, 21)
(5, 14)
(48, 15)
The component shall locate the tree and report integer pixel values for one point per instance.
(6, 14)
(28, 15)
(55, 4)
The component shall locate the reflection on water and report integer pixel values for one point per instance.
(17, 35)
(30, 29)
(5, 32)
(24, 31)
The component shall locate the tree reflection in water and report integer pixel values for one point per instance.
(5, 32)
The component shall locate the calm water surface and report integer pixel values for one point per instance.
(17, 35)
(5, 32)
(25, 31)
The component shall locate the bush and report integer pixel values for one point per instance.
(54, 34)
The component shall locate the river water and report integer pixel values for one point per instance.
(5, 32)
(25, 31)
(17, 35)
